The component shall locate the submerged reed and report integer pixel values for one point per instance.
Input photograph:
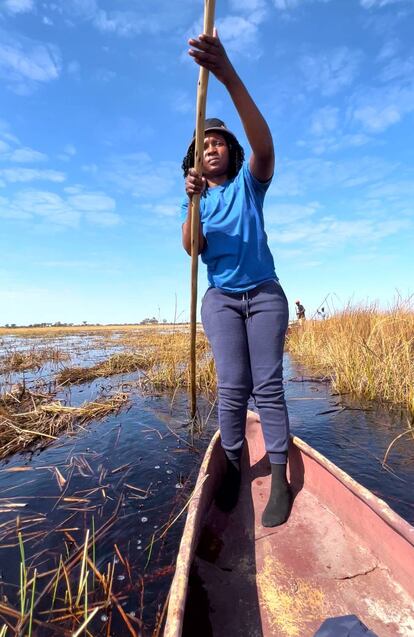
(26, 416)
(364, 351)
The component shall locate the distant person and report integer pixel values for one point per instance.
(245, 312)
(321, 313)
(300, 311)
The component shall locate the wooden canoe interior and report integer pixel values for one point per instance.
(251, 581)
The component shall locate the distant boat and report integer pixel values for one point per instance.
(342, 551)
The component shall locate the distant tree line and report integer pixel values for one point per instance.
(145, 321)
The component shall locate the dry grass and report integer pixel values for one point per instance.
(365, 351)
(17, 361)
(123, 363)
(82, 330)
(26, 417)
(161, 355)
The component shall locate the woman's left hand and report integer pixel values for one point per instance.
(209, 52)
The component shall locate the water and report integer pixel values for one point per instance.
(355, 436)
(131, 474)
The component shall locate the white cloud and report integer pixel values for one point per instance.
(324, 120)
(181, 102)
(25, 63)
(256, 10)
(138, 175)
(46, 205)
(73, 69)
(379, 108)
(283, 213)
(287, 5)
(126, 23)
(377, 118)
(26, 156)
(283, 5)
(4, 147)
(106, 219)
(388, 49)
(398, 69)
(95, 208)
(368, 4)
(327, 130)
(14, 175)
(240, 36)
(163, 209)
(330, 72)
(68, 152)
(5, 132)
(330, 232)
(18, 6)
(92, 202)
(317, 175)
(163, 17)
(19, 155)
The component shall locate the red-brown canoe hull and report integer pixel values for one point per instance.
(342, 551)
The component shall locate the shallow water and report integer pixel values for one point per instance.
(142, 464)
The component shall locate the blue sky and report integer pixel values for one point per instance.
(97, 101)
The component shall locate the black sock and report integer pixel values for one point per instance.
(228, 492)
(280, 499)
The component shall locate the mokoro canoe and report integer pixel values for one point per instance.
(343, 551)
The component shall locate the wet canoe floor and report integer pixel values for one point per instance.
(247, 580)
(132, 473)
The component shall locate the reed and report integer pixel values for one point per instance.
(66, 330)
(123, 363)
(161, 355)
(364, 351)
(26, 417)
(34, 358)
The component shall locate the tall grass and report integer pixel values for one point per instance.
(364, 351)
(161, 355)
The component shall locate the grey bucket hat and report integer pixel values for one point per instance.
(215, 124)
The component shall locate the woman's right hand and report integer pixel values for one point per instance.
(194, 184)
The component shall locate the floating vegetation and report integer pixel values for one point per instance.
(122, 363)
(366, 352)
(26, 416)
(97, 582)
(19, 361)
(162, 355)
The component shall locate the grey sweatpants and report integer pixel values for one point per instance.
(247, 333)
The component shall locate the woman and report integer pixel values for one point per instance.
(244, 311)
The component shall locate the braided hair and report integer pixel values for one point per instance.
(236, 157)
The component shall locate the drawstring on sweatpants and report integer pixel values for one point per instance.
(246, 300)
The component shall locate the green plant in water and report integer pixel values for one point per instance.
(23, 576)
(32, 603)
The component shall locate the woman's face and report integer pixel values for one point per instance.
(216, 155)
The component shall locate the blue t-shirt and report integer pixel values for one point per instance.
(236, 252)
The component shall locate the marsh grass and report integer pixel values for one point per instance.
(63, 594)
(19, 361)
(26, 416)
(122, 363)
(366, 352)
(81, 330)
(161, 355)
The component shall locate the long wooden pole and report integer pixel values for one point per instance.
(209, 8)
